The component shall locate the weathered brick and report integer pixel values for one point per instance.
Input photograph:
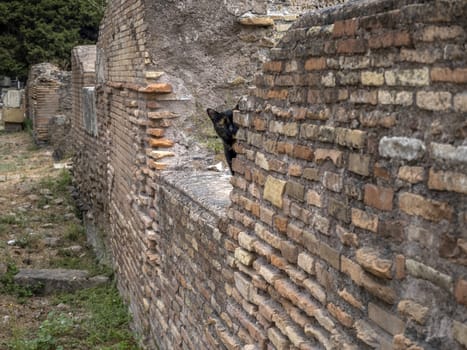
(315, 290)
(433, 33)
(359, 164)
(278, 339)
(372, 78)
(320, 223)
(434, 100)
(417, 269)
(412, 174)
(306, 262)
(459, 331)
(460, 102)
(392, 228)
(344, 294)
(413, 310)
(378, 197)
(346, 237)
(385, 320)
(314, 198)
(322, 154)
(280, 223)
(303, 152)
(273, 191)
(352, 269)
(364, 220)
(330, 255)
(420, 56)
(311, 174)
(399, 271)
(364, 96)
(351, 46)
(460, 292)
(351, 138)
(432, 210)
(315, 64)
(332, 181)
(443, 74)
(447, 181)
(407, 77)
(295, 190)
(368, 334)
(370, 260)
(295, 170)
(244, 257)
(379, 290)
(342, 316)
(389, 39)
(272, 66)
(345, 27)
(403, 98)
(338, 209)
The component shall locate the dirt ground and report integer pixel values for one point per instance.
(39, 228)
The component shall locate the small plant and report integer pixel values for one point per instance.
(74, 232)
(8, 285)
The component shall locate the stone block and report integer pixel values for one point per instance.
(314, 198)
(429, 209)
(343, 317)
(378, 197)
(306, 262)
(311, 174)
(330, 255)
(432, 33)
(401, 147)
(338, 209)
(402, 98)
(379, 290)
(244, 257)
(273, 191)
(351, 138)
(447, 181)
(370, 260)
(315, 64)
(322, 154)
(352, 300)
(315, 290)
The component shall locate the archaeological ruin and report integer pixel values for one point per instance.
(344, 223)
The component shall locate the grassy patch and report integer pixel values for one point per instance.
(8, 285)
(100, 321)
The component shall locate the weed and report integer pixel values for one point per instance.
(59, 185)
(74, 232)
(8, 285)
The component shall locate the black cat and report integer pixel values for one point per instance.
(226, 129)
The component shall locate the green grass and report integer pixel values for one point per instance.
(8, 285)
(101, 323)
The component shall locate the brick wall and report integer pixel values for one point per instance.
(349, 201)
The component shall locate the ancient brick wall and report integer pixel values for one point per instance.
(346, 222)
(349, 200)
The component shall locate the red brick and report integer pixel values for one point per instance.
(399, 262)
(351, 46)
(315, 64)
(346, 27)
(378, 197)
(461, 292)
(389, 39)
(272, 66)
(303, 152)
(457, 75)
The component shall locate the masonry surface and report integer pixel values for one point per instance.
(344, 225)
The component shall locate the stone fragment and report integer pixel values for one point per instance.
(364, 220)
(244, 257)
(442, 151)
(48, 281)
(417, 269)
(370, 260)
(413, 310)
(401, 147)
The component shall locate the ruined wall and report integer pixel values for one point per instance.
(349, 200)
(346, 227)
(49, 105)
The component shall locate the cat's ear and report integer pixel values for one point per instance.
(212, 113)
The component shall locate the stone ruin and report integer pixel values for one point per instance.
(49, 107)
(343, 226)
